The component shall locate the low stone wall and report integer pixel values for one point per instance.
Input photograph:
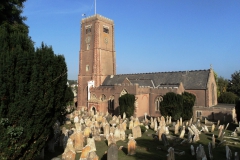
(222, 112)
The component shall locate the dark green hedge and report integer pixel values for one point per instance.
(176, 105)
(126, 104)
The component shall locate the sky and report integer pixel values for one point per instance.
(150, 35)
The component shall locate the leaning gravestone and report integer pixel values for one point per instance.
(112, 153)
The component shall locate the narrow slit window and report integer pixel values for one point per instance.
(87, 67)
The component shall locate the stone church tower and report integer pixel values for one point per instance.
(97, 55)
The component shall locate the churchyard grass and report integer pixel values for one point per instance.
(150, 148)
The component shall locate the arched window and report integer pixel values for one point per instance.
(213, 94)
(157, 103)
(123, 92)
(103, 97)
(111, 103)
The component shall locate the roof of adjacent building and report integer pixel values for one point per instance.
(196, 79)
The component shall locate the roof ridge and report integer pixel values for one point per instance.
(163, 72)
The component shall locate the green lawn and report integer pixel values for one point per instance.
(148, 148)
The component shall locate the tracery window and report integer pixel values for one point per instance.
(157, 103)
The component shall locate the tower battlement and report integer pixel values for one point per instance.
(97, 17)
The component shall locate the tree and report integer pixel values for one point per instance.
(126, 104)
(69, 95)
(222, 85)
(171, 105)
(234, 83)
(32, 87)
(227, 97)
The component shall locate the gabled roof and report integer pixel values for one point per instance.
(196, 79)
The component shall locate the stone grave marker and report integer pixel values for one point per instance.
(136, 131)
(112, 153)
(164, 140)
(131, 146)
(69, 152)
(171, 154)
(210, 150)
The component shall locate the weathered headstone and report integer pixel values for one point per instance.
(200, 153)
(192, 150)
(182, 132)
(236, 156)
(171, 155)
(111, 139)
(91, 143)
(228, 153)
(131, 146)
(176, 130)
(130, 124)
(136, 131)
(210, 150)
(213, 127)
(85, 152)
(69, 152)
(213, 141)
(112, 153)
(165, 140)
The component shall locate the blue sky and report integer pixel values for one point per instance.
(150, 35)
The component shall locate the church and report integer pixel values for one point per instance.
(99, 87)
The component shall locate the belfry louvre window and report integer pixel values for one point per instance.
(88, 29)
(105, 29)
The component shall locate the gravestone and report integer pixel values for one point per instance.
(111, 139)
(182, 132)
(112, 153)
(91, 143)
(117, 134)
(171, 155)
(131, 146)
(210, 150)
(85, 152)
(106, 129)
(236, 156)
(78, 141)
(213, 127)
(165, 140)
(130, 124)
(228, 153)
(192, 150)
(176, 130)
(136, 131)
(213, 141)
(200, 153)
(180, 122)
(69, 152)
(87, 132)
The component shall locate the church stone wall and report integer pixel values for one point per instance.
(141, 105)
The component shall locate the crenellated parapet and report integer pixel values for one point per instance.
(97, 17)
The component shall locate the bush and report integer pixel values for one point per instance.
(227, 97)
(143, 128)
(188, 103)
(126, 104)
(172, 105)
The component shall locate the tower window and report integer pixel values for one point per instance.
(105, 29)
(87, 67)
(88, 29)
(88, 46)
